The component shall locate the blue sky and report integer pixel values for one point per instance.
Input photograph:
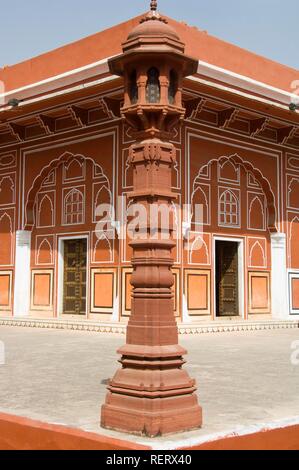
(267, 27)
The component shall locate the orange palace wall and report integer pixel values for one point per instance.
(90, 166)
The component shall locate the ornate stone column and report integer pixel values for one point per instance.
(152, 394)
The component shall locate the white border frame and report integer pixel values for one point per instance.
(61, 240)
(8, 308)
(259, 274)
(241, 272)
(103, 310)
(199, 272)
(15, 185)
(292, 274)
(42, 308)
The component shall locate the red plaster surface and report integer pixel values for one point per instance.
(18, 433)
(107, 43)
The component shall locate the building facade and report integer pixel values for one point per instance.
(64, 151)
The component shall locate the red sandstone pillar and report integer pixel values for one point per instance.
(151, 393)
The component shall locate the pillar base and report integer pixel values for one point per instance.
(151, 394)
(151, 417)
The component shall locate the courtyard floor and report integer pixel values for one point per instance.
(245, 379)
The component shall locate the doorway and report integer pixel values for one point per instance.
(74, 276)
(227, 279)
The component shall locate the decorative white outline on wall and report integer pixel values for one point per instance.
(44, 241)
(295, 218)
(222, 163)
(39, 208)
(289, 191)
(13, 187)
(256, 197)
(94, 135)
(253, 247)
(125, 167)
(199, 236)
(5, 214)
(233, 142)
(12, 163)
(252, 182)
(95, 199)
(66, 166)
(101, 238)
(50, 182)
(289, 158)
(199, 187)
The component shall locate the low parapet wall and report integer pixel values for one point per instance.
(18, 433)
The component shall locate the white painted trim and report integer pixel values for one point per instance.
(61, 271)
(275, 96)
(63, 79)
(204, 68)
(66, 91)
(241, 272)
(22, 274)
(285, 100)
(244, 82)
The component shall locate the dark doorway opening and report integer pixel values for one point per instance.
(227, 279)
(74, 277)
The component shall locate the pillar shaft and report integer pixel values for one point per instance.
(22, 274)
(152, 394)
(279, 276)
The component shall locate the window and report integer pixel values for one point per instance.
(153, 86)
(74, 208)
(228, 209)
(172, 87)
(133, 88)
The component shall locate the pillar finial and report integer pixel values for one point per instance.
(154, 5)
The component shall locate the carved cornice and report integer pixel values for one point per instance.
(227, 117)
